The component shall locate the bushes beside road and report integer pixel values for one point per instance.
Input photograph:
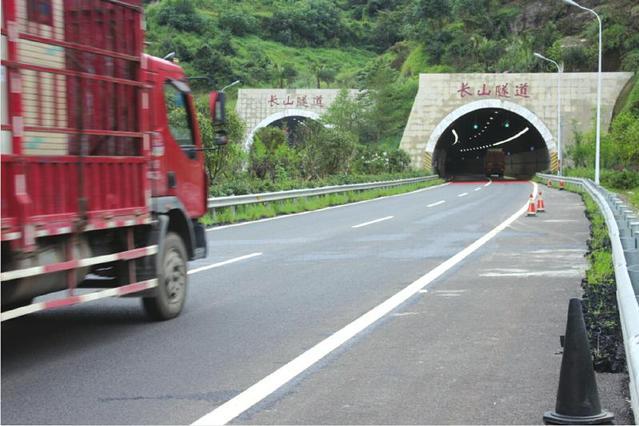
(600, 293)
(625, 182)
(249, 185)
(600, 298)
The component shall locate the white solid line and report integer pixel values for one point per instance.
(489, 182)
(226, 262)
(284, 216)
(463, 194)
(269, 384)
(372, 221)
(478, 189)
(436, 204)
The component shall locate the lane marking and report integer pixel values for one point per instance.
(405, 314)
(573, 272)
(488, 183)
(372, 221)
(271, 383)
(226, 262)
(478, 189)
(436, 204)
(268, 219)
(545, 251)
(463, 194)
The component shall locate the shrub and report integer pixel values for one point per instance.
(271, 157)
(181, 15)
(625, 179)
(238, 22)
(375, 160)
(326, 151)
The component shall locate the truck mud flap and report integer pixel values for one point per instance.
(201, 248)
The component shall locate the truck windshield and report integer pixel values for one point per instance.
(178, 114)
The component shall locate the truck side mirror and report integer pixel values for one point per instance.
(217, 107)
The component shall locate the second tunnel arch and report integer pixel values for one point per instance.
(436, 151)
(291, 112)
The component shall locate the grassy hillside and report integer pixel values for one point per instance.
(293, 42)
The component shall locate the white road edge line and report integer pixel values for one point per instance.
(226, 262)
(478, 188)
(372, 221)
(268, 219)
(463, 194)
(436, 204)
(269, 384)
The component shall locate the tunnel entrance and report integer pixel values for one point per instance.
(293, 126)
(490, 142)
(292, 121)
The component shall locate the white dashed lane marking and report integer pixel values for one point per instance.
(436, 204)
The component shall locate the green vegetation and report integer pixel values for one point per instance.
(380, 47)
(600, 299)
(256, 40)
(383, 45)
(259, 211)
(619, 150)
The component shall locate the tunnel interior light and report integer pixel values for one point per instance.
(456, 137)
(506, 124)
(512, 137)
(475, 126)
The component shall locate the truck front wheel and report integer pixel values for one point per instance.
(170, 294)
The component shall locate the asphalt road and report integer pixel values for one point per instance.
(271, 290)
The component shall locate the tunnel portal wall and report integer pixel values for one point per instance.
(442, 96)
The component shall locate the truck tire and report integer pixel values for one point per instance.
(170, 293)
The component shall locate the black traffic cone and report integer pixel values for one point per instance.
(577, 396)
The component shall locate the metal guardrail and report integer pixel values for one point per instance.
(619, 219)
(236, 200)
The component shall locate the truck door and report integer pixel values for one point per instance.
(184, 162)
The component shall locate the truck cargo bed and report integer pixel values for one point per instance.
(72, 139)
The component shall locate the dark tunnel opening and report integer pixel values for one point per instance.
(293, 126)
(490, 142)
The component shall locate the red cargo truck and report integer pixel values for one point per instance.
(102, 167)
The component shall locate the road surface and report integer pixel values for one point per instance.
(477, 344)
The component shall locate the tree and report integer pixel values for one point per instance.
(327, 75)
(181, 15)
(271, 156)
(326, 151)
(288, 73)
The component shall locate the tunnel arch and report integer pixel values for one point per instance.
(491, 103)
(292, 112)
(449, 160)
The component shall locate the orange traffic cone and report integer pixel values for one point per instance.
(540, 203)
(532, 211)
(549, 183)
(562, 185)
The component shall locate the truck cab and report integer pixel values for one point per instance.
(178, 159)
